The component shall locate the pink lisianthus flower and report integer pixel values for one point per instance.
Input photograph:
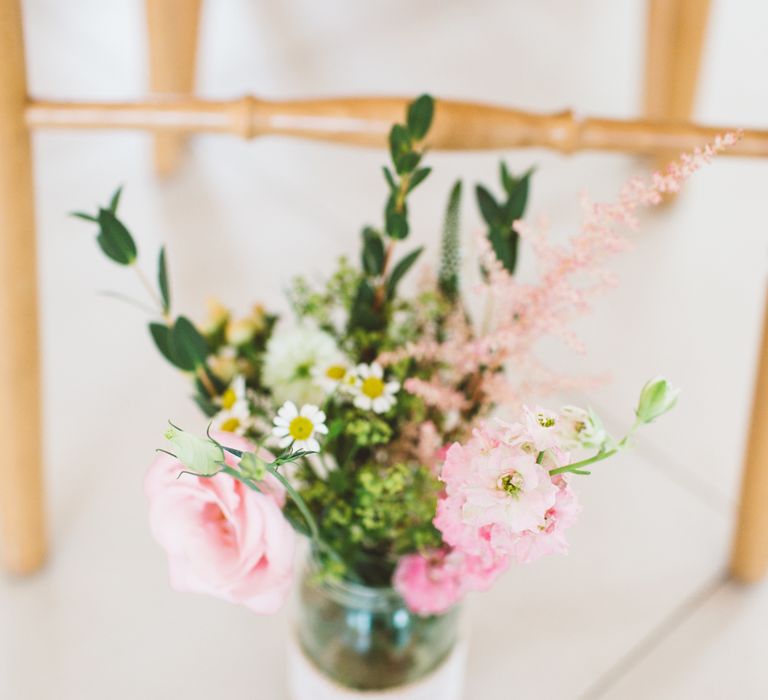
(433, 583)
(221, 537)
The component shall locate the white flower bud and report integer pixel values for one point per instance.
(657, 397)
(581, 428)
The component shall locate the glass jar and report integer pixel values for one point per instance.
(354, 641)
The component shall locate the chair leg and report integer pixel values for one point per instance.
(749, 558)
(22, 531)
(172, 26)
(674, 44)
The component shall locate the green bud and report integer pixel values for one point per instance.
(657, 397)
(253, 467)
(200, 455)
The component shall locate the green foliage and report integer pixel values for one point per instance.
(450, 254)
(500, 215)
(114, 239)
(373, 252)
(374, 515)
(162, 282)
(370, 308)
(399, 271)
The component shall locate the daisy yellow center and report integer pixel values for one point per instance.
(300, 428)
(230, 425)
(372, 387)
(228, 398)
(336, 372)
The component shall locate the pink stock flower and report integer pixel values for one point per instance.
(221, 537)
(500, 502)
(431, 584)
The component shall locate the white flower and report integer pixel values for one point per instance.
(580, 428)
(371, 391)
(235, 415)
(290, 360)
(336, 375)
(298, 428)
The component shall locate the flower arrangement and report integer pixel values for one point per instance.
(367, 425)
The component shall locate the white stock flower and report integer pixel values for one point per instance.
(578, 427)
(290, 360)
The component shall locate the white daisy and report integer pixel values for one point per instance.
(333, 376)
(290, 360)
(298, 428)
(235, 415)
(372, 392)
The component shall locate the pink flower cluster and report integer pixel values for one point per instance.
(520, 313)
(500, 505)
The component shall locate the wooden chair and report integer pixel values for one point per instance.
(675, 38)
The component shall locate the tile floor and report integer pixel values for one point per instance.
(640, 608)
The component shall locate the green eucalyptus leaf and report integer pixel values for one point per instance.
(362, 314)
(189, 348)
(399, 142)
(114, 239)
(505, 251)
(115, 200)
(514, 209)
(397, 225)
(407, 162)
(417, 178)
(162, 281)
(420, 113)
(390, 178)
(373, 251)
(399, 271)
(507, 181)
(161, 334)
(85, 217)
(490, 210)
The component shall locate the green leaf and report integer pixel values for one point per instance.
(390, 178)
(115, 200)
(399, 271)
(396, 221)
(420, 113)
(188, 347)
(114, 239)
(85, 217)
(373, 251)
(407, 162)
(450, 259)
(162, 281)
(399, 142)
(161, 334)
(505, 250)
(514, 209)
(362, 314)
(417, 178)
(507, 181)
(489, 209)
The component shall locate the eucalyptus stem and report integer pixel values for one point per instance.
(151, 292)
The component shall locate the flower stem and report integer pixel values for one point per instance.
(599, 457)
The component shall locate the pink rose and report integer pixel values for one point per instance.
(221, 537)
